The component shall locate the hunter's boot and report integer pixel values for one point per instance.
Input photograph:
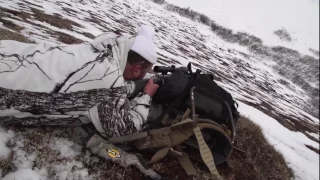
(99, 146)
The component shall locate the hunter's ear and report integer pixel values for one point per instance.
(136, 71)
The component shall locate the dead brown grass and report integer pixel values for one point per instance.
(11, 13)
(88, 35)
(259, 160)
(7, 23)
(65, 38)
(11, 25)
(252, 159)
(6, 165)
(313, 149)
(54, 20)
(9, 35)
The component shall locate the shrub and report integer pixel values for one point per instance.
(283, 34)
(205, 19)
(159, 1)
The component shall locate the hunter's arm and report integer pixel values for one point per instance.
(109, 109)
(118, 116)
(39, 103)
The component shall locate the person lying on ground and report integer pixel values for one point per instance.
(71, 85)
(109, 62)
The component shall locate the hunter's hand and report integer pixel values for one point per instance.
(150, 88)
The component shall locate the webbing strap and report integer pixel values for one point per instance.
(164, 119)
(186, 114)
(131, 137)
(206, 154)
(187, 165)
(159, 155)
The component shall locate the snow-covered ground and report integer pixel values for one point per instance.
(63, 157)
(261, 18)
(277, 103)
(303, 161)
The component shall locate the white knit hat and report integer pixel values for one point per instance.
(144, 45)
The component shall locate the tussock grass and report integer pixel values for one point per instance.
(55, 20)
(259, 160)
(6, 13)
(65, 38)
(88, 35)
(14, 14)
(6, 164)
(11, 25)
(10, 35)
(313, 149)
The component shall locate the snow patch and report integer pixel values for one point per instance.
(303, 161)
(313, 135)
(5, 136)
(64, 146)
(70, 169)
(25, 174)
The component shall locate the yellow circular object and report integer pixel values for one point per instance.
(114, 153)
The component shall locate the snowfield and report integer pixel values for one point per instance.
(273, 102)
(262, 18)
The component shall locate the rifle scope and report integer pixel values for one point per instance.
(164, 69)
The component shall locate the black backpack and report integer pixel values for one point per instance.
(211, 100)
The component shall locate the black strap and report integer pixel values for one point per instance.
(189, 68)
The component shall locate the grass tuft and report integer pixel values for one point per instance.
(54, 20)
(283, 34)
(9, 35)
(11, 25)
(259, 160)
(64, 38)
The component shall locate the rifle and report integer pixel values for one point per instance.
(160, 78)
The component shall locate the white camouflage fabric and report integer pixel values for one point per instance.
(42, 84)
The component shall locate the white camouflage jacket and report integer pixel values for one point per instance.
(70, 85)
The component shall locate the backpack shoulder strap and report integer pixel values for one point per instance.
(132, 137)
(187, 165)
(206, 154)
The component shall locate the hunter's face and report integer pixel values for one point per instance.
(136, 72)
